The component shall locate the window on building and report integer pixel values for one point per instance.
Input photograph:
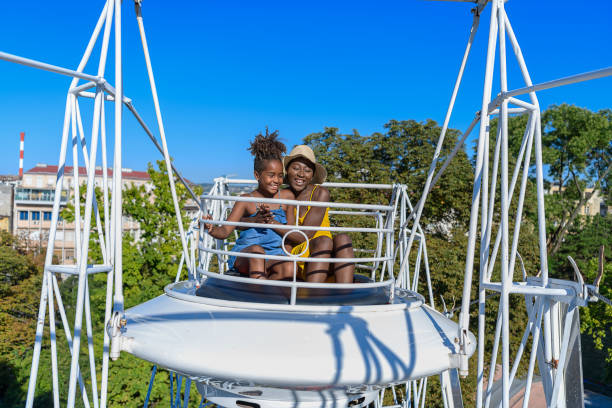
(47, 216)
(23, 215)
(35, 216)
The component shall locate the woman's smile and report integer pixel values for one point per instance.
(300, 173)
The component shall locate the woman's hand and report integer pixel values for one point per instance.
(209, 227)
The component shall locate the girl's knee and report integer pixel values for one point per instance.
(287, 269)
(255, 249)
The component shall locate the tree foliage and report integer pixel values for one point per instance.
(402, 154)
(575, 152)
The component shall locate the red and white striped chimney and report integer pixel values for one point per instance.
(22, 135)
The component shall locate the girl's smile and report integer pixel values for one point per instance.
(270, 178)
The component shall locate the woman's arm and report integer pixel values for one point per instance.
(223, 231)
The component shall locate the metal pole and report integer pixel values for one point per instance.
(469, 264)
(586, 76)
(90, 347)
(505, 295)
(62, 312)
(162, 135)
(85, 154)
(539, 184)
(48, 259)
(48, 67)
(52, 337)
(107, 219)
(83, 258)
(434, 162)
(117, 173)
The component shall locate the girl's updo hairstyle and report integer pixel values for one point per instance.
(266, 147)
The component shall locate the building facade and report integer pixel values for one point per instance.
(33, 205)
(596, 205)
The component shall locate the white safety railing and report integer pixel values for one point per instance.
(390, 230)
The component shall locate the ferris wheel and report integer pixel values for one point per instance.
(371, 337)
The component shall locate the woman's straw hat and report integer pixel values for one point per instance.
(306, 152)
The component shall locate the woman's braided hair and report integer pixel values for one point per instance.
(266, 147)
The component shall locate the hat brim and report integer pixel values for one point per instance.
(320, 173)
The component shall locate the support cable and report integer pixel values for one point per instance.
(162, 133)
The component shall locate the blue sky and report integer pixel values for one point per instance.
(225, 70)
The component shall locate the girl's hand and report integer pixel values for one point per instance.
(263, 215)
(209, 227)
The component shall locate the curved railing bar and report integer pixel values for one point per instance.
(291, 259)
(300, 203)
(286, 284)
(74, 270)
(327, 184)
(359, 185)
(300, 227)
(370, 213)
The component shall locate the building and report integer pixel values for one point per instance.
(6, 207)
(596, 205)
(7, 186)
(33, 205)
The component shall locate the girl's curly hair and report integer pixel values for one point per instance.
(266, 147)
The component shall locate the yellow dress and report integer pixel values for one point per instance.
(299, 248)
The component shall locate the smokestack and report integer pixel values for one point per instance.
(22, 135)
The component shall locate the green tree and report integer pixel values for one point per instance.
(578, 149)
(153, 209)
(582, 243)
(402, 154)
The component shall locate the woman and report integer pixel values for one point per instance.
(304, 176)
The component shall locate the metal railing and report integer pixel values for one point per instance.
(390, 229)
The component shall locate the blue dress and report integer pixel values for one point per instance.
(269, 240)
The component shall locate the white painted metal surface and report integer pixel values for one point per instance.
(235, 395)
(291, 345)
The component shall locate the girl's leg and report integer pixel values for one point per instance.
(254, 267)
(320, 247)
(279, 270)
(343, 248)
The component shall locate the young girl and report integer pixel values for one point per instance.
(268, 171)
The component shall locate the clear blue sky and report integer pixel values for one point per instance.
(225, 70)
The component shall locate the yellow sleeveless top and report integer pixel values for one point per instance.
(324, 221)
(301, 247)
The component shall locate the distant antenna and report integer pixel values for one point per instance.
(22, 136)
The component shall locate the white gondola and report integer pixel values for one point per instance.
(279, 339)
(313, 345)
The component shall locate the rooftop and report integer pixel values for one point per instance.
(129, 174)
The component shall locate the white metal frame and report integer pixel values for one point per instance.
(547, 324)
(109, 234)
(549, 344)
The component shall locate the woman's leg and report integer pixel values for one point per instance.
(343, 248)
(254, 267)
(320, 247)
